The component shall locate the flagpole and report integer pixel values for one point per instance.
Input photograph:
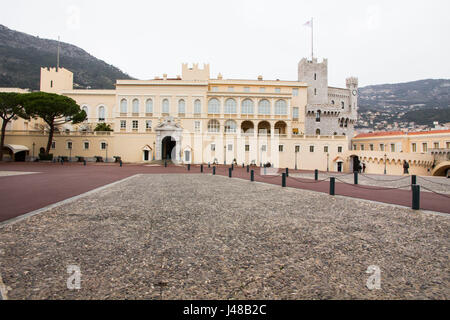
(57, 59)
(312, 39)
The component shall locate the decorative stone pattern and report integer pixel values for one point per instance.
(171, 237)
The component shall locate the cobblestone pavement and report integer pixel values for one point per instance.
(437, 184)
(211, 237)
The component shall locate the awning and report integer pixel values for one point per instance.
(147, 148)
(338, 159)
(15, 148)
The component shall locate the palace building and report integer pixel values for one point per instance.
(194, 118)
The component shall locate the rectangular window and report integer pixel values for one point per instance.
(339, 149)
(213, 147)
(262, 90)
(311, 148)
(392, 147)
(247, 89)
(325, 149)
(86, 146)
(123, 124)
(69, 145)
(295, 92)
(53, 144)
(295, 113)
(362, 147)
(381, 147)
(354, 147)
(371, 147)
(448, 145)
(436, 145)
(247, 148)
(230, 147)
(280, 148)
(197, 126)
(277, 90)
(135, 124)
(414, 147)
(424, 147)
(297, 148)
(103, 145)
(148, 124)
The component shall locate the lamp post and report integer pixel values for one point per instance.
(385, 163)
(154, 150)
(34, 144)
(106, 151)
(225, 154)
(296, 151)
(70, 151)
(328, 162)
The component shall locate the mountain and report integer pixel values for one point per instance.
(22, 56)
(405, 105)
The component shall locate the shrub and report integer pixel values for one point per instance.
(46, 157)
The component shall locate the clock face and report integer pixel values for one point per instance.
(355, 92)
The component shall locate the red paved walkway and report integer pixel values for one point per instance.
(55, 182)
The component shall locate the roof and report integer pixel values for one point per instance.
(399, 133)
(15, 148)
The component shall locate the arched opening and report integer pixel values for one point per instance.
(247, 127)
(280, 127)
(354, 163)
(264, 128)
(168, 148)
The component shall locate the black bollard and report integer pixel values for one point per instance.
(287, 172)
(230, 170)
(214, 171)
(201, 168)
(415, 197)
(252, 175)
(316, 174)
(189, 167)
(413, 179)
(332, 186)
(283, 180)
(248, 168)
(165, 164)
(355, 177)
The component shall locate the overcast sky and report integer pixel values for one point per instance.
(377, 41)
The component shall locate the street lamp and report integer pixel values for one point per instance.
(154, 150)
(34, 144)
(106, 150)
(296, 151)
(385, 163)
(328, 162)
(70, 151)
(225, 154)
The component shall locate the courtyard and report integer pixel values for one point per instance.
(197, 236)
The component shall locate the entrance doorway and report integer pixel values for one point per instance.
(168, 145)
(339, 166)
(146, 155)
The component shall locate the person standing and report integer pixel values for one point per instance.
(405, 167)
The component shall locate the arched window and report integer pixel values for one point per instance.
(318, 116)
(86, 110)
(123, 106)
(264, 107)
(149, 106)
(318, 132)
(214, 106)
(280, 107)
(230, 106)
(101, 113)
(343, 104)
(181, 106)
(165, 106)
(213, 126)
(197, 106)
(135, 106)
(247, 106)
(230, 126)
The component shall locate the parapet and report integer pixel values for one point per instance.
(194, 72)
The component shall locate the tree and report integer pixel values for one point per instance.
(10, 108)
(54, 109)
(103, 127)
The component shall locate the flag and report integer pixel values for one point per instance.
(308, 23)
